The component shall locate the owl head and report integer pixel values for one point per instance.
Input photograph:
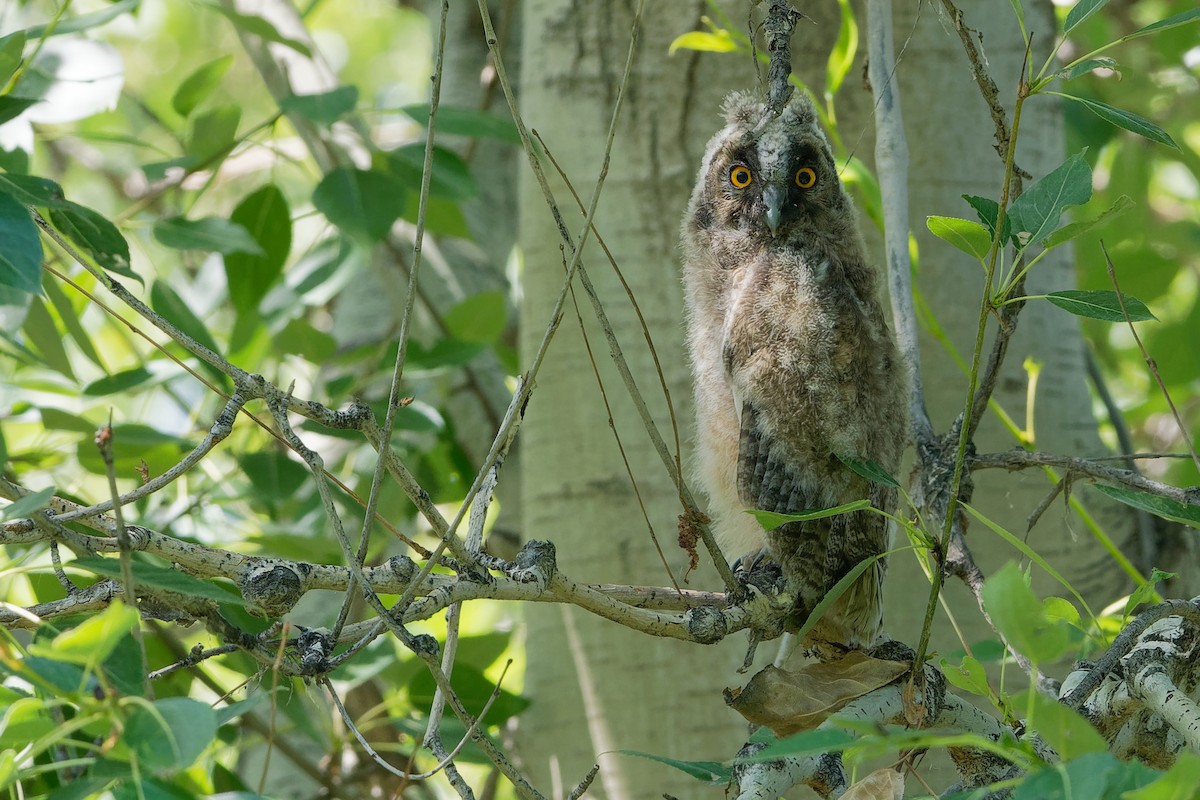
(771, 175)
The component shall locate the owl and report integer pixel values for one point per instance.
(793, 363)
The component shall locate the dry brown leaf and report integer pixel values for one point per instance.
(787, 702)
(882, 784)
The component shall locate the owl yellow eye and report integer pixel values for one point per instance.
(739, 176)
(805, 177)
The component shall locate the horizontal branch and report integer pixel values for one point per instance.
(1018, 459)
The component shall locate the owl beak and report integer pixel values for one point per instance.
(773, 199)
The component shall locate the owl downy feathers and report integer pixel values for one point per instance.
(793, 363)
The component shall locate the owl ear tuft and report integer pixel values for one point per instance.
(742, 108)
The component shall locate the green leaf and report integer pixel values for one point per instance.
(70, 320)
(968, 675)
(466, 122)
(11, 48)
(970, 237)
(836, 591)
(719, 41)
(208, 233)
(1164, 507)
(214, 133)
(363, 203)
(199, 85)
(31, 190)
(1124, 119)
(1020, 12)
(1174, 21)
(1084, 67)
(167, 579)
(92, 640)
(443, 354)
(451, 178)
(1179, 782)
(869, 470)
(841, 58)
(273, 475)
(134, 446)
(480, 318)
(301, 338)
(442, 216)
(1088, 776)
(84, 22)
(713, 772)
(1036, 212)
(473, 688)
(266, 216)
(1076, 229)
(1063, 728)
(55, 419)
(821, 740)
(120, 382)
(325, 108)
(988, 210)
(172, 733)
(47, 342)
(1100, 304)
(1081, 11)
(34, 501)
(770, 520)
(1018, 616)
(20, 248)
(95, 235)
(260, 27)
(1145, 591)
(13, 107)
(170, 305)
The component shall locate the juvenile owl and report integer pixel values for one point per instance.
(793, 362)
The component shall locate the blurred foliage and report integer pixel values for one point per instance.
(1155, 246)
(277, 232)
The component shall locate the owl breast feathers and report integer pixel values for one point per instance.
(794, 365)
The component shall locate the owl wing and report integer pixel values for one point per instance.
(765, 478)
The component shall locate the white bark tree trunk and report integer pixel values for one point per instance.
(597, 687)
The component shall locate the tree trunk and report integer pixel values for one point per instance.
(596, 686)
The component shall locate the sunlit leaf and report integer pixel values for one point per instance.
(1124, 119)
(967, 675)
(716, 42)
(325, 108)
(20, 247)
(1146, 590)
(43, 335)
(70, 320)
(970, 237)
(92, 640)
(841, 58)
(171, 306)
(1101, 304)
(83, 22)
(1036, 212)
(1061, 727)
(1160, 506)
(196, 87)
